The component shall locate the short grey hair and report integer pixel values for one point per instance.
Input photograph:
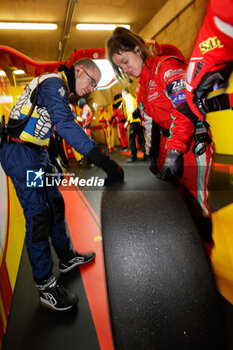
(86, 63)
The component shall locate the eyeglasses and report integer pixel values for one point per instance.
(92, 80)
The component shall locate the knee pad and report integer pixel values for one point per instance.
(41, 226)
(59, 207)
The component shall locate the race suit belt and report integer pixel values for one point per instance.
(12, 139)
(164, 132)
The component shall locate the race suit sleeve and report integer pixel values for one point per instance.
(172, 78)
(54, 97)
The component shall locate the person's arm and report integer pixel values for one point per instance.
(53, 92)
(55, 98)
(172, 77)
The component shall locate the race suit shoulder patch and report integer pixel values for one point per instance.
(62, 91)
(210, 44)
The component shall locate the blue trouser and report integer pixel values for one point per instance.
(43, 206)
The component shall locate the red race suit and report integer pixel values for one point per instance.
(119, 117)
(212, 58)
(86, 116)
(161, 95)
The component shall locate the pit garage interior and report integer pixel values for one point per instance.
(151, 285)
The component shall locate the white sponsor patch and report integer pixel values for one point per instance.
(62, 92)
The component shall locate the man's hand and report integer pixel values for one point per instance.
(173, 165)
(115, 173)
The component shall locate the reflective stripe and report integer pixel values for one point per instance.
(25, 110)
(224, 27)
(29, 138)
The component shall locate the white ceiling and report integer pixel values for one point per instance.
(43, 45)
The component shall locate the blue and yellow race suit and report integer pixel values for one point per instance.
(43, 206)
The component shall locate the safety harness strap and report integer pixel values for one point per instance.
(218, 103)
(15, 127)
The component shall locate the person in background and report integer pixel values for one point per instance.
(211, 61)
(135, 128)
(119, 117)
(108, 129)
(183, 155)
(42, 106)
(78, 156)
(86, 115)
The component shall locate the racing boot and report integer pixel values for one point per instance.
(69, 259)
(54, 296)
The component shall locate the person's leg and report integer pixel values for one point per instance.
(141, 139)
(69, 259)
(17, 161)
(123, 136)
(154, 150)
(194, 189)
(23, 165)
(132, 142)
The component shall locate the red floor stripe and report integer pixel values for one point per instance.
(86, 236)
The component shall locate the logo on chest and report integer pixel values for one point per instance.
(152, 91)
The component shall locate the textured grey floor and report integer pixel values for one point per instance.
(32, 327)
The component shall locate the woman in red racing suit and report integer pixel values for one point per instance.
(186, 149)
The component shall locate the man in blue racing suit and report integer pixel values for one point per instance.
(43, 105)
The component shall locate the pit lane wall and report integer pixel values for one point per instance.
(12, 222)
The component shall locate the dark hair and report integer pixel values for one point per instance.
(123, 39)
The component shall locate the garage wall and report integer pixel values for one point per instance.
(177, 23)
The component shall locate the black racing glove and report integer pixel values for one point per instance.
(115, 173)
(173, 165)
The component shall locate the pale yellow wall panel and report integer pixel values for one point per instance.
(221, 124)
(16, 236)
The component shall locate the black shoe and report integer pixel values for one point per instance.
(55, 297)
(77, 259)
(131, 160)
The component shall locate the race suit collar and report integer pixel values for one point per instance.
(70, 75)
(149, 67)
